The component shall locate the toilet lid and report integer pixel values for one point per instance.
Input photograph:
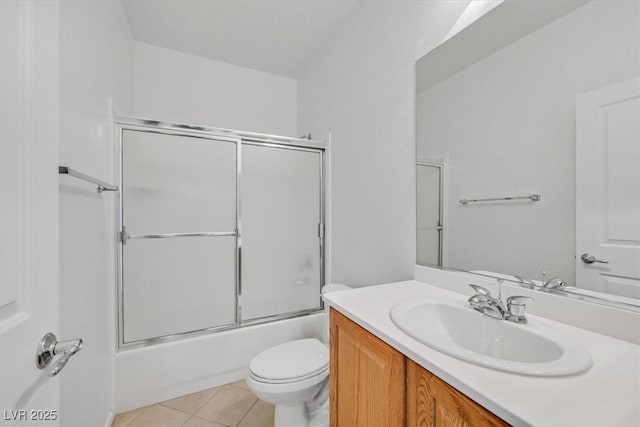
(291, 360)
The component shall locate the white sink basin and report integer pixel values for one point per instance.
(459, 331)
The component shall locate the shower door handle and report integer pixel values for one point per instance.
(124, 235)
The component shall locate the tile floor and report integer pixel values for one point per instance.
(231, 405)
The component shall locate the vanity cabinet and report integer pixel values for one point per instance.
(366, 377)
(432, 402)
(372, 384)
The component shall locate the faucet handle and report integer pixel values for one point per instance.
(528, 283)
(480, 290)
(517, 305)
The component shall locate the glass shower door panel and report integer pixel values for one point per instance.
(177, 184)
(428, 247)
(177, 285)
(280, 199)
(173, 184)
(429, 231)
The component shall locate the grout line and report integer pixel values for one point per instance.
(249, 410)
(219, 389)
(204, 419)
(233, 384)
(178, 410)
(134, 418)
(197, 410)
(180, 397)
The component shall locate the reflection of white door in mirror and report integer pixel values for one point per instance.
(608, 189)
(429, 221)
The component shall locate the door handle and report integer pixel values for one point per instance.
(49, 347)
(590, 259)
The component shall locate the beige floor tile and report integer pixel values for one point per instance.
(201, 422)
(160, 416)
(191, 402)
(125, 418)
(261, 415)
(228, 406)
(241, 384)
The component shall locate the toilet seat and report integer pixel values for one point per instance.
(291, 362)
(320, 374)
(294, 377)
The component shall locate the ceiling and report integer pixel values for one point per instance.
(278, 37)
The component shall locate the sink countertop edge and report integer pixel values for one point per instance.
(369, 307)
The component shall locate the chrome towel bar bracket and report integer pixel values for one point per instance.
(102, 186)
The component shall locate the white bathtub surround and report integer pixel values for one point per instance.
(165, 371)
(617, 323)
(607, 394)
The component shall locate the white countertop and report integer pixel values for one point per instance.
(608, 394)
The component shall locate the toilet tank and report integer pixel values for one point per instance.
(331, 287)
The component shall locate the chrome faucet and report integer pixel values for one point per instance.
(513, 311)
(483, 302)
(554, 283)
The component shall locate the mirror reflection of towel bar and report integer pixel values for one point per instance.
(532, 197)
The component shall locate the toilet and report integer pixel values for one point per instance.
(294, 376)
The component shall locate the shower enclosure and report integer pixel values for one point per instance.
(429, 212)
(217, 229)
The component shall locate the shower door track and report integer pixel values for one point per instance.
(239, 138)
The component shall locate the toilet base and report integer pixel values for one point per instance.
(299, 416)
(320, 417)
(291, 416)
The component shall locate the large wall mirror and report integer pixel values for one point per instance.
(528, 149)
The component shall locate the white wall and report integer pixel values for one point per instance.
(361, 89)
(508, 126)
(184, 88)
(96, 67)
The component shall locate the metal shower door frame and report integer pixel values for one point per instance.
(124, 123)
(441, 166)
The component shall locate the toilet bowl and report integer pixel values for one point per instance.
(294, 376)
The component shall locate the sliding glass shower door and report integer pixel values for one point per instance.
(179, 234)
(429, 239)
(217, 230)
(281, 219)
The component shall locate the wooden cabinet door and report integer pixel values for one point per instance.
(366, 378)
(433, 403)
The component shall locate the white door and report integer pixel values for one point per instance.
(608, 189)
(28, 207)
